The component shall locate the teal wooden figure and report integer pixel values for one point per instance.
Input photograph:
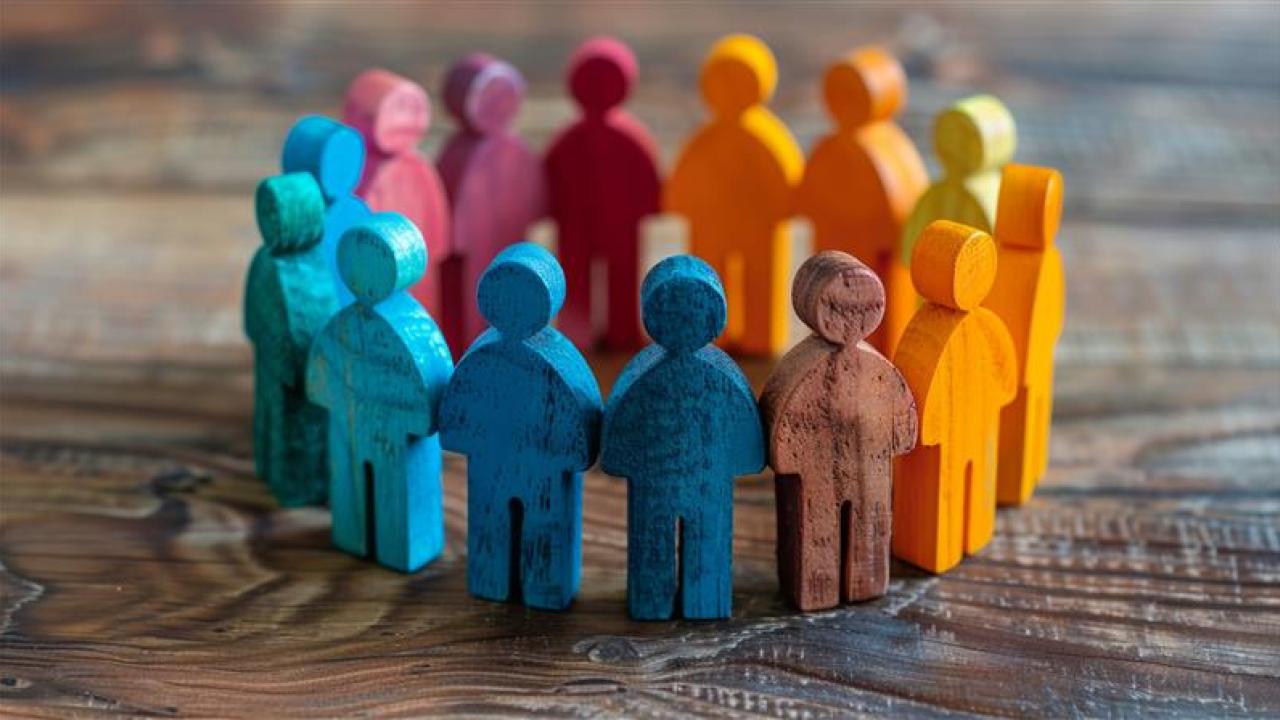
(524, 407)
(334, 155)
(380, 367)
(680, 424)
(287, 300)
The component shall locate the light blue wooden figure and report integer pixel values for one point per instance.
(380, 367)
(334, 154)
(287, 300)
(524, 408)
(680, 424)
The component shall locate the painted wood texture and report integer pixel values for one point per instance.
(836, 412)
(393, 114)
(960, 364)
(334, 155)
(973, 139)
(380, 367)
(288, 297)
(602, 181)
(863, 180)
(1029, 295)
(735, 182)
(524, 407)
(681, 423)
(495, 184)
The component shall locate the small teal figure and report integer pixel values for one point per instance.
(380, 367)
(287, 300)
(524, 407)
(334, 155)
(680, 425)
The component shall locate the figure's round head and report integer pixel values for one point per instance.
(329, 150)
(290, 211)
(973, 135)
(522, 289)
(739, 72)
(391, 111)
(601, 73)
(838, 297)
(483, 93)
(683, 304)
(953, 265)
(867, 86)
(380, 256)
(1030, 206)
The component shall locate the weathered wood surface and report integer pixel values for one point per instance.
(146, 572)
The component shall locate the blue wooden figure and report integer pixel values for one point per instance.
(680, 424)
(287, 299)
(524, 408)
(380, 366)
(334, 154)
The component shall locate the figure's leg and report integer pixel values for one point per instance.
(453, 303)
(489, 524)
(347, 490)
(410, 504)
(706, 554)
(766, 292)
(261, 422)
(1041, 408)
(651, 557)
(624, 330)
(808, 547)
(279, 474)
(865, 526)
(928, 508)
(1013, 482)
(980, 493)
(574, 319)
(551, 543)
(306, 432)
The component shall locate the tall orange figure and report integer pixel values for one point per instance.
(735, 182)
(1028, 295)
(862, 181)
(959, 362)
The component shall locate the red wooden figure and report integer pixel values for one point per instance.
(602, 180)
(392, 113)
(495, 183)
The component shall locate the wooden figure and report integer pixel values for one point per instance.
(288, 297)
(495, 183)
(735, 182)
(334, 155)
(1029, 296)
(861, 181)
(973, 138)
(680, 424)
(380, 367)
(959, 362)
(602, 180)
(836, 413)
(524, 407)
(393, 114)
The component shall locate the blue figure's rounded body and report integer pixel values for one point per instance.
(680, 425)
(524, 407)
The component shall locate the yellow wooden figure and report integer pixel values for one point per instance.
(862, 181)
(1029, 296)
(959, 362)
(735, 182)
(973, 139)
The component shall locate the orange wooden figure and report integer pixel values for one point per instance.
(959, 361)
(735, 182)
(862, 181)
(836, 413)
(1029, 296)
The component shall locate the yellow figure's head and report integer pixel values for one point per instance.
(1030, 206)
(973, 135)
(739, 73)
(869, 85)
(954, 265)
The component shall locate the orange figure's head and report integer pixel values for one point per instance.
(739, 73)
(1030, 206)
(954, 265)
(869, 85)
(838, 297)
(973, 135)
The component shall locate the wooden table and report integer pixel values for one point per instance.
(145, 571)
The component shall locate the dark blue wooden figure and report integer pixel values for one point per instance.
(380, 367)
(524, 408)
(334, 154)
(287, 300)
(680, 424)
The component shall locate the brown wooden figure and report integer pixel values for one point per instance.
(836, 412)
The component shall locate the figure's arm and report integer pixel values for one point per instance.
(319, 372)
(1003, 355)
(906, 426)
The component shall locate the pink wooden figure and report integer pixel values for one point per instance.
(602, 180)
(494, 182)
(392, 113)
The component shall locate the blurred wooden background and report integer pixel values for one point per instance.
(143, 571)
